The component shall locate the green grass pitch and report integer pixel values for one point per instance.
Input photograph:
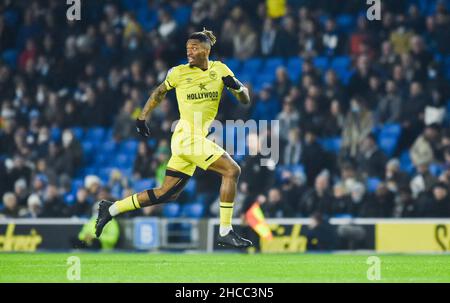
(160, 267)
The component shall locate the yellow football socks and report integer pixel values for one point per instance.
(125, 205)
(226, 214)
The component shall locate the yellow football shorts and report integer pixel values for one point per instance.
(188, 152)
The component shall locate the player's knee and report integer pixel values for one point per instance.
(234, 171)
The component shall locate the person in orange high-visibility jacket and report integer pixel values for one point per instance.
(255, 219)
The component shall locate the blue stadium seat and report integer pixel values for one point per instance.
(252, 66)
(271, 65)
(124, 160)
(321, 63)
(77, 184)
(182, 15)
(391, 129)
(341, 63)
(109, 147)
(233, 64)
(78, 132)
(104, 173)
(129, 147)
(387, 144)
(95, 134)
(447, 67)
(9, 56)
(344, 75)
(88, 148)
(190, 188)
(297, 169)
(126, 172)
(69, 198)
(345, 22)
(263, 80)
(245, 77)
(331, 144)
(147, 18)
(109, 134)
(294, 68)
(193, 210)
(88, 170)
(144, 184)
(435, 169)
(171, 210)
(101, 159)
(55, 134)
(406, 164)
(372, 184)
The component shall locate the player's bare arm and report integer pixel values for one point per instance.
(241, 93)
(153, 101)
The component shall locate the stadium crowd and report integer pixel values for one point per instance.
(60, 80)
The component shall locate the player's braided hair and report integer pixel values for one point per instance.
(204, 36)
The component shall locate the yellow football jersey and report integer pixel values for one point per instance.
(198, 94)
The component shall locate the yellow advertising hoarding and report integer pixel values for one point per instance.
(412, 237)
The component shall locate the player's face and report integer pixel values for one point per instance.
(196, 52)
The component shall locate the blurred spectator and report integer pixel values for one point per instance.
(288, 119)
(245, 42)
(313, 156)
(423, 181)
(124, 124)
(381, 205)
(142, 166)
(274, 206)
(439, 204)
(390, 105)
(81, 208)
(359, 82)
(317, 199)
(266, 108)
(92, 184)
(358, 124)
(53, 206)
(371, 159)
(254, 177)
(11, 207)
(405, 204)
(331, 39)
(168, 26)
(21, 192)
(394, 177)
(320, 233)
(118, 183)
(334, 121)
(34, 207)
(424, 148)
(293, 149)
(341, 202)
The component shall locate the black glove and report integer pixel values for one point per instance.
(231, 82)
(142, 128)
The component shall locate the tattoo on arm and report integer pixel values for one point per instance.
(153, 101)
